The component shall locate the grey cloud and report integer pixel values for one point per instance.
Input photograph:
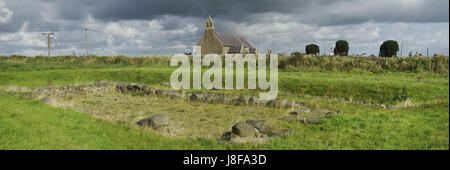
(169, 26)
(320, 12)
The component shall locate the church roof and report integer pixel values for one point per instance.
(233, 41)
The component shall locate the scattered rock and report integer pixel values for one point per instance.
(258, 125)
(194, 97)
(149, 92)
(253, 100)
(123, 89)
(133, 88)
(222, 98)
(252, 131)
(144, 88)
(155, 121)
(208, 98)
(159, 92)
(243, 129)
(276, 103)
(272, 103)
(243, 100)
(262, 102)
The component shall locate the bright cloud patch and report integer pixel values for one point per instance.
(5, 13)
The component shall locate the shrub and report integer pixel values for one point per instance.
(296, 59)
(389, 48)
(341, 48)
(283, 64)
(312, 49)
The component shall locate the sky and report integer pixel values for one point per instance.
(167, 27)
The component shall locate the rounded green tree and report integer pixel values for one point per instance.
(341, 48)
(312, 49)
(389, 48)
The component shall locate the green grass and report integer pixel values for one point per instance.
(28, 124)
(361, 86)
(376, 88)
(425, 128)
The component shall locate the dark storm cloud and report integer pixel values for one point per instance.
(320, 12)
(137, 27)
(228, 9)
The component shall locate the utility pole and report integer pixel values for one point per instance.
(427, 52)
(85, 30)
(49, 43)
(401, 49)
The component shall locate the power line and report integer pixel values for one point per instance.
(87, 54)
(36, 30)
(49, 43)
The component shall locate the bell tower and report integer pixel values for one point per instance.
(209, 26)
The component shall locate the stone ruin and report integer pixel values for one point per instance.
(102, 87)
(212, 98)
(66, 91)
(252, 131)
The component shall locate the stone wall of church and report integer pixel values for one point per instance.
(210, 45)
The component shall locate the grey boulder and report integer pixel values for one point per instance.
(243, 129)
(155, 121)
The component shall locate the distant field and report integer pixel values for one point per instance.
(422, 124)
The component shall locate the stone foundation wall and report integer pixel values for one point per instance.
(103, 87)
(66, 91)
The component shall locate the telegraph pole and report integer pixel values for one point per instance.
(401, 49)
(49, 43)
(85, 30)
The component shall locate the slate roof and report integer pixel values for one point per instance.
(234, 42)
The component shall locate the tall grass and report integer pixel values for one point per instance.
(143, 60)
(297, 61)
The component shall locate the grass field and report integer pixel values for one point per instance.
(422, 122)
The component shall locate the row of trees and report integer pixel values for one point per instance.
(389, 48)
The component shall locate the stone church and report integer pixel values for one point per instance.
(223, 43)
